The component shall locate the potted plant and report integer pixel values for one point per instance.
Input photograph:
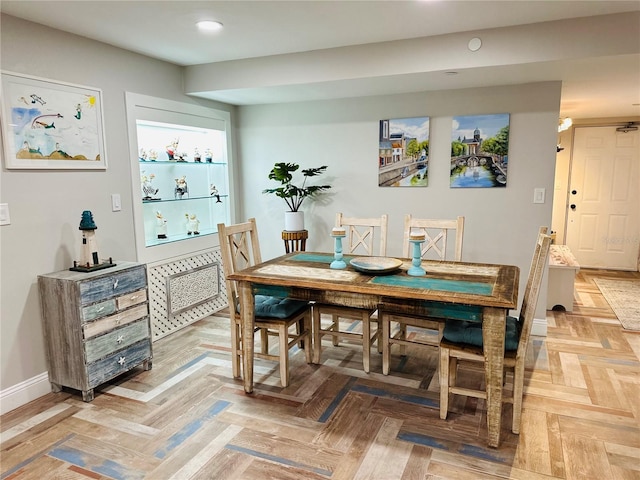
(294, 195)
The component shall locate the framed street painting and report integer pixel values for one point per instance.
(479, 151)
(47, 124)
(403, 152)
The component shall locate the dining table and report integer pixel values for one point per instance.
(482, 292)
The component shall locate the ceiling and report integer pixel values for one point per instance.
(593, 87)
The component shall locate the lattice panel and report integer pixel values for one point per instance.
(188, 306)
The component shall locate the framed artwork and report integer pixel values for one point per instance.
(403, 153)
(48, 124)
(479, 151)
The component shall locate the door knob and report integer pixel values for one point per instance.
(573, 206)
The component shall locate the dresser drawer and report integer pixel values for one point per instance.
(131, 299)
(118, 362)
(118, 339)
(91, 329)
(113, 285)
(97, 310)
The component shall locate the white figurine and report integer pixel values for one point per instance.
(181, 187)
(172, 149)
(193, 224)
(153, 155)
(148, 190)
(214, 193)
(208, 155)
(161, 225)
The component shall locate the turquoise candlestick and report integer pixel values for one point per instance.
(416, 269)
(338, 262)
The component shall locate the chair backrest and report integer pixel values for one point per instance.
(240, 248)
(532, 290)
(435, 236)
(361, 234)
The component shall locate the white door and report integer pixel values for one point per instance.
(603, 218)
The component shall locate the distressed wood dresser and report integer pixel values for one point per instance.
(96, 325)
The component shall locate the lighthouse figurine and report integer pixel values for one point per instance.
(89, 252)
(89, 259)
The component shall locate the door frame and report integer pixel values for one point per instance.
(564, 162)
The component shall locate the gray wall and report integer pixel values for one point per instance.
(46, 205)
(501, 223)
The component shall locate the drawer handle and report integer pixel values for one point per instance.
(121, 361)
(115, 284)
(120, 339)
(100, 309)
(118, 321)
(134, 297)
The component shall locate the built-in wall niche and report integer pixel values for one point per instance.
(181, 180)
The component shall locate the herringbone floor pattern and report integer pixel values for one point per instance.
(189, 419)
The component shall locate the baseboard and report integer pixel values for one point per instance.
(25, 392)
(539, 327)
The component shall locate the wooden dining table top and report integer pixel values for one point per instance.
(293, 274)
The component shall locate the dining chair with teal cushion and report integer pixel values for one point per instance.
(276, 307)
(462, 341)
(470, 333)
(286, 318)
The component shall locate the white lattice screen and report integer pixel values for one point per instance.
(171, 305)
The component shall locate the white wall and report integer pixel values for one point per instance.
(501, 223)
(46, 205)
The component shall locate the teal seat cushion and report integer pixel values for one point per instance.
(471, 333)
(276, 307)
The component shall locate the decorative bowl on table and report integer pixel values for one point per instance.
(376, 265)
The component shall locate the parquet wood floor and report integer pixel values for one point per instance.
(189, 419)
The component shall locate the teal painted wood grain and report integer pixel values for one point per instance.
(318, 258)
(434, 284)
(449, 311)
(271, 290)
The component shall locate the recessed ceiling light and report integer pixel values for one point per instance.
(209, 25)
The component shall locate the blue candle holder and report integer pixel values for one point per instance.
(416, 269)
(338, 262)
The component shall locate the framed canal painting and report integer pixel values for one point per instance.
(403, 155)
(479, 151)
(47, 124)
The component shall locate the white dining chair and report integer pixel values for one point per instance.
(437, 232)
(361, 234)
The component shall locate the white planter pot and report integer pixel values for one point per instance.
(293, 221)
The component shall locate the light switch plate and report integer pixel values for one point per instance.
(538, 195)
(116, 204)
(5, 218)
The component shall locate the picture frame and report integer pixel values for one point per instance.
(49, 124)
(479, 151)
(403, 152)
